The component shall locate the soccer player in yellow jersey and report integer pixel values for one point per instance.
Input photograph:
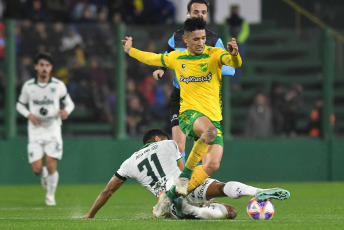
(198, 71)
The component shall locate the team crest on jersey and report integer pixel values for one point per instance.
(204, 67)
(53, 90)
(183, 67)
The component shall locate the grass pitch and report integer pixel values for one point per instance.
(311, 206)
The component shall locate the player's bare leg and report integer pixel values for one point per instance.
(207, 132)
(52, 180)
(41, 171)
(179, 137)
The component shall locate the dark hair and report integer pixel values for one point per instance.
(192, 24)
(43, 55)
(150, 134)
(205, 2)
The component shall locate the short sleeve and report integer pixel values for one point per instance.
(63, 90)
(24, 96)
(123, 172)
(168, 59)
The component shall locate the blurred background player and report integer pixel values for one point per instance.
(43, 95)
(239, 29)
(195, 8)
(158, 164)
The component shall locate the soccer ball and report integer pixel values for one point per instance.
(260, 210)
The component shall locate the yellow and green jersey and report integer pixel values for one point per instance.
(199, 76)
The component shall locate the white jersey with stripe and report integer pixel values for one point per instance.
(154, 166)
(44, 101)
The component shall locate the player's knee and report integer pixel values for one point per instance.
(210, 135)
(212, 166)
(232, 212)
(37, 171)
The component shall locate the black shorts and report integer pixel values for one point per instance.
(174, 105)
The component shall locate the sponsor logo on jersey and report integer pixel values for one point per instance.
(187, 80)
(45, 101)
(204, 67)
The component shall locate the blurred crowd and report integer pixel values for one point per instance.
(80, 37)
(89, 11)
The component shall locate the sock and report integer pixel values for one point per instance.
(172, 194)
(52, 181)
(208, 212)
(44, 172)
(198, 177)
(197, 153)
(236, 189)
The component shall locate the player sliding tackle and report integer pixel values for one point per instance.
(198, 70)
(157, 165)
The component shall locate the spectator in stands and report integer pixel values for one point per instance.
(315, 123)
(78, 87)
(239, 29)
(158, 12)
(37, 13)
(259, 118)
(71, 39)
(42, 38)
(79, 8)
(25, 70)
(100, 91)
(137, 112)
(277, 104)
(28, 39)
(59, 10)
(55, 43)
(293, 103)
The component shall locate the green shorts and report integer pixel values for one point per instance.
(186, 121)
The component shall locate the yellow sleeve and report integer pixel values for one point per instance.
(233, 61)
(147, 57)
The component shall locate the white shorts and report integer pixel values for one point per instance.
(198, 195)
(45, 143)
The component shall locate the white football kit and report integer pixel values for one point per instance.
(155, 168)
(43, 100)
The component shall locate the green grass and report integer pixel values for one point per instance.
(311, 206)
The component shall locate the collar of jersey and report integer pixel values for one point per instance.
(147, 144)
(50, 80)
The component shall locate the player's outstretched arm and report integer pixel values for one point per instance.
(144, 57)
(114, 184)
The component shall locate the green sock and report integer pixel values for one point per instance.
(172, 194)
(186, 173)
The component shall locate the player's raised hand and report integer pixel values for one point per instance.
(63, 113)
(157, 74)
(127, 44)
(232, 47)
(34, 119)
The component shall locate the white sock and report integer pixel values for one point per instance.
(209, 212)
(52, 181)
(236, 189)
(44, 172)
